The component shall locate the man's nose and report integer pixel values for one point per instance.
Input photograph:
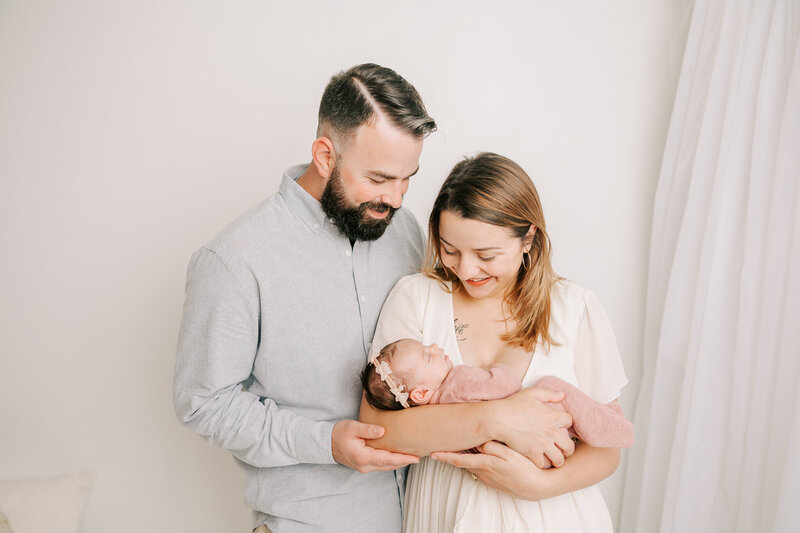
(393, 196)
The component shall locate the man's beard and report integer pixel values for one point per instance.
(353, 222)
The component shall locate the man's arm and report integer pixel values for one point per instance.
(216, 352)
(216, 349)
(522, 421)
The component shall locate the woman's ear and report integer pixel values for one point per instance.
(527, 240)
(323, 156)
(420, 395)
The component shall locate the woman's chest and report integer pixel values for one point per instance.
(480, 342)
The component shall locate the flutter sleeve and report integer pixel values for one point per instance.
(598, 365)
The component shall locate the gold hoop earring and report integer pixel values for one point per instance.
(527, 265)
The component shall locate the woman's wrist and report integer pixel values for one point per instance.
(488, 427)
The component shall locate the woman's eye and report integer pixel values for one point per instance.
(486, 258)
(448, 252)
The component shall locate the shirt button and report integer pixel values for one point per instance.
(363, 298)
(348, 253)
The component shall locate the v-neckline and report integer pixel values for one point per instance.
(452, 330)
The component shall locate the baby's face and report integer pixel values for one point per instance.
(428, 364)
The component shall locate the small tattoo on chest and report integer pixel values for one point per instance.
(460, 330)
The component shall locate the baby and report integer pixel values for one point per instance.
(408, 373)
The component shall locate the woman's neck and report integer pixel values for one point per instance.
(493, 307)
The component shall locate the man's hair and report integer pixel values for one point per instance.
(353, 97)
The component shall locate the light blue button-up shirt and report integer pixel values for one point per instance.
(279, 314)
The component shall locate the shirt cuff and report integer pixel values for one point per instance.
(313, 442)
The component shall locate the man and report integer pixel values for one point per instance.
(282, 305)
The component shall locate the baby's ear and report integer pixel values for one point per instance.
(421, 396)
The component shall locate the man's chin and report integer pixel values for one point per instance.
(373, 229)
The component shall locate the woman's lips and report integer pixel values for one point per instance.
(478, 282)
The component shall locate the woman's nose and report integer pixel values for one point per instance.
(466, 268)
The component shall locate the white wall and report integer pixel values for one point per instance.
(131, 132)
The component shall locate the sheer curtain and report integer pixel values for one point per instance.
(718, 415)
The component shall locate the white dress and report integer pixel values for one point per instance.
(443, 498)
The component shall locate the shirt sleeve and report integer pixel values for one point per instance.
(402, 314)
(217, 347)
(598, 365)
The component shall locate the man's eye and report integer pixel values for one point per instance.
(376, 181)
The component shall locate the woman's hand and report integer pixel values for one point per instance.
(527, 424)
(501, 468)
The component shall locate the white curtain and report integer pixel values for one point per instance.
(718, 414)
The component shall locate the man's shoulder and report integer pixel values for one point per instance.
(405, 226)
(252, 229)
(405, 217)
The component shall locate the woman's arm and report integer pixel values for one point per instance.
(504, 469)
(500, 467)
(424, 429)
(522, 421)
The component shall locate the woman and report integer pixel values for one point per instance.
(489, 295)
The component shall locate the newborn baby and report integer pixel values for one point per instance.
(407, 373)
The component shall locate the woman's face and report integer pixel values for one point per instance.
(486, 258)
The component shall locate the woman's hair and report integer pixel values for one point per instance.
(493, 189)
(377, 391)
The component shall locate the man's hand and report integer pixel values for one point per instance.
(349, 447)
(536, 430)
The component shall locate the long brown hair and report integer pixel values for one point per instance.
(493, 189)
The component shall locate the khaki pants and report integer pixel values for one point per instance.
(262, 529)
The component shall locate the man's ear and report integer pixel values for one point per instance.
(421, 395)
(323, 156)
(527, 240)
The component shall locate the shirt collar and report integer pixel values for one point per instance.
(299, 201)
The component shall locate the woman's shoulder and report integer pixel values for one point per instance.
(569, 301)
(417, 291)
(568, 291)
(419, 282)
